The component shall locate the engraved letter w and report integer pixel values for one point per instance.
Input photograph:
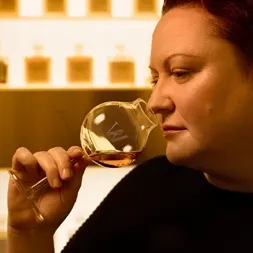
(116, 134)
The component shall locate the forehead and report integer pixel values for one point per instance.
(180, 29)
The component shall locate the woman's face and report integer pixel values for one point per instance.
(199, 88)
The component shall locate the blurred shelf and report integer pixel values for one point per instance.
(3, 235)
(92, 9)
(74, 87)
(152, 18)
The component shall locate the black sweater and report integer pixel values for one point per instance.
(159, 207)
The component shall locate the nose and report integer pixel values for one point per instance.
(160, 101)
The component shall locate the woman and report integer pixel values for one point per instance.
(199, 198)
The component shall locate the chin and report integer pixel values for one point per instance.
(185, 155)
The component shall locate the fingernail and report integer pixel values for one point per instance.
(78, 151)
(67, 173)
(57, 183)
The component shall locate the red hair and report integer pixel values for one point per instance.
(233, 20)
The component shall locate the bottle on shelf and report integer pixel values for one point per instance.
(99, 7)
(121, 67)
(8, 8)
(79, 67)
(37, 67)
(3, 67)
(55, 7)
(146, 7)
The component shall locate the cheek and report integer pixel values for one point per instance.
(204, 98)
(198, 108)
(195, 105)
(207, 106)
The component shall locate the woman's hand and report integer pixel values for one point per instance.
(57, 202)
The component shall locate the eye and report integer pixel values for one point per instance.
(153, 82)
(181, 75)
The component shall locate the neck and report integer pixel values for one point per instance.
(233, 172)
(230, 184)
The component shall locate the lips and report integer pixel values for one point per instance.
(167, 128)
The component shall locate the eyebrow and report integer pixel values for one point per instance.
(167, 59)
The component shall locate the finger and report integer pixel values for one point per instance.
(24, 163)
(63, 162)
(80, 165)
(49, 166)
(75, 152)
(78, 157)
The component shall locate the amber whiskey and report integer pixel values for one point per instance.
(121, 68)
(114, 159)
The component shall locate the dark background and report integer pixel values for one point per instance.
(40, 119)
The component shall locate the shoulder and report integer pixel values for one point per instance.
(156, 172)
(150, 168)
(136, 188)
(147, 189)
(155, 180)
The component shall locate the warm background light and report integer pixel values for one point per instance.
(58, 34)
